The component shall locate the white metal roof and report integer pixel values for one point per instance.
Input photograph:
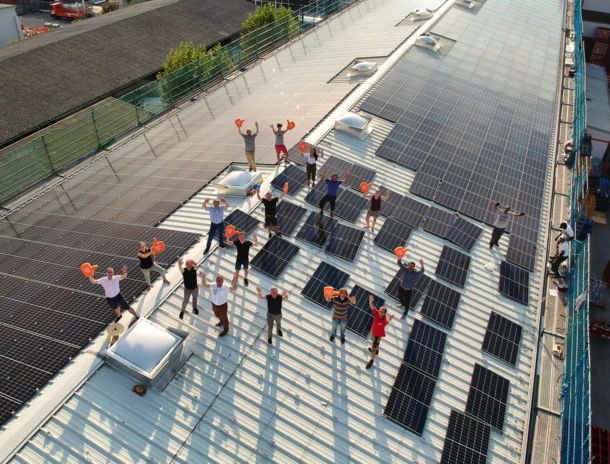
(303, 399)
(598, 101)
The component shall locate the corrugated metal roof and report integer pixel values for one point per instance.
(304, 399)
(598, 101)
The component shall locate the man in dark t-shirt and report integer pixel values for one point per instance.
(243, 254)
(191, 289)
(270, 205)
(274, 310)
(332, 190)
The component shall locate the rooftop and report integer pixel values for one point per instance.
(304, 399)
(598, 101)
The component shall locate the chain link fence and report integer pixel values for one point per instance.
(58, 149)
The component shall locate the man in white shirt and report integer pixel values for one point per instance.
(566, 232)
(219, 292)
(217, 213)
(501, 223)
(113, 292)
(559, 257)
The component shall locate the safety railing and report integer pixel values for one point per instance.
(59, 148)
(580, 96)
(576, 386)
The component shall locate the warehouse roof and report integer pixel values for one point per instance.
(52, 75)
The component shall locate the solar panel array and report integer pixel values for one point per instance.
(48, 309)
(325, 275)
(438, 222)
(464, 233)
(317, 229)
(242, 222)
(357, 173)
(453, 266)
(345, 242)
(350, 205)
(288, 216)
(393, 234)
(295, 177)
(441, 304)
(411, 395)
(514, 282)
(467, 440)
(388, 207)
(418, 291)
(275, 256)
(478, 141)
(360, 318)
(410, 211)
(502, 339)
(487, 397)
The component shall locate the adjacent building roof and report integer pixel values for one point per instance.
(598, 101)
(52, 75)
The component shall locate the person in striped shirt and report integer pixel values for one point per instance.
(341, 304)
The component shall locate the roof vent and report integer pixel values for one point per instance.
(427, 42)
(363, 68)
(421, 13)
(237, 182)
(356, 125)
(149, 353)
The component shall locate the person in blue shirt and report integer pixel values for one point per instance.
(407, 282)
(217, 213)
(332, 190)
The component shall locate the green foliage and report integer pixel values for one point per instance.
(263, 16)
(185, 54)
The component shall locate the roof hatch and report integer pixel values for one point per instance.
(356, 125)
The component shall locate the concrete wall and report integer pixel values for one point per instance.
(10, 26)
(597, 5)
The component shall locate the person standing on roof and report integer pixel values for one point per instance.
(407, 282)
(332, 190)
(217, 214)
(566, 232)
(311, 166)
(243, 255)
(274, 310)
(191, 289)
(112, 290)
(280, 146)
(501, 222)
(375, 207)
(220, 295)
(250, 146)
(341, 304)
(270, 205)
(380, 320)
(559, 257)
(147, 264)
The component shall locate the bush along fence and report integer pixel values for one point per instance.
(44, 156)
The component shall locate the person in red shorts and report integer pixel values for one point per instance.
(380, 320)
(280, 146)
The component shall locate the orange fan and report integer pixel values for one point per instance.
(401, 252)
(329, 292)
(291, 125)
(285, 187)
(364, 187)
(87, 269)
(303, 146)
(239, 122)
(230, 231)
(157, 247)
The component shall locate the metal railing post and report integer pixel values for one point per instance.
(97, 135)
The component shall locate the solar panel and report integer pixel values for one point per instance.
(411, 212)
(467, 440)
(438, 221)
(7, 408)
(393, 234)
(441, 304)
(388, 207)
(360, 318)
(317, 229)
(425, 185)
(275, 256)
(514, 282)
(464, 233)
(242, 223)
(289, 215)
(410, 398)
(425, 348)
(502, 339)
(350, 205)
(453, 266)
(345, 242)
(359, 174)
(521, 252)
(325, 275)
(335, 165)
(487, 397)
(418, 290)
(295, 176)
(295, 155)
